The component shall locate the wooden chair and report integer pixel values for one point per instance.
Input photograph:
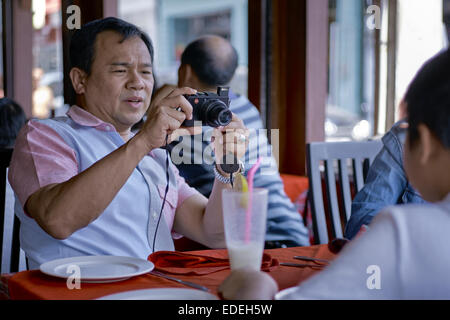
(330, 194)
(12, 255)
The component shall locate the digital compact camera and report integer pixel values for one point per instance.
(210, 108)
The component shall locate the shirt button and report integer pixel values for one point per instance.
(155, 215)
(108, 128)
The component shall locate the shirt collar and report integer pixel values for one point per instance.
(87, 119)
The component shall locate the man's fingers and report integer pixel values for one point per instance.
(238, 150)
(230, 142)
(162, 93)
(235, 123)
(181, 91)
(171, 124)
(236, 136)
(174, 97)
(176, 114)
(179, 104)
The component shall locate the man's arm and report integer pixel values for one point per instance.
(63, 208)
(201, 219)
(385, 184)
(198, 218)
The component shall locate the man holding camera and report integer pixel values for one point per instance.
(207, 63)
(87, 185)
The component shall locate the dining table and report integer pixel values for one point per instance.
(35, 285)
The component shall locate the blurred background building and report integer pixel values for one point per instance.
(316, 69)
(172, 24)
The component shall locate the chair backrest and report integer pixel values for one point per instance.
(9, 223)
(338, 156)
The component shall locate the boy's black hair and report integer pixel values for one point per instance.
(428, 99)
(82, 44)
(12, 118)
(209, 69)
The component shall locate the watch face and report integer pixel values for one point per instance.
(220, 177)
(230, 168)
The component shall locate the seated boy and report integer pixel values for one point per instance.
(405, 244)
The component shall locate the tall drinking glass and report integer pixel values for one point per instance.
(245, 216)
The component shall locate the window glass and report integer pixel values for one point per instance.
(421, 31)
(351, 84)
(47, 74)
(421, 35)
(172, 25)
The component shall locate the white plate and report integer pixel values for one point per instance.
(97, 268)
(161, 294)
(281, 295)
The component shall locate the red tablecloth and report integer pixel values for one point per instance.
(36, 285)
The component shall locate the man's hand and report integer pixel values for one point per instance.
(248, 284)
(162, 93)
(231, 140)
(166, 114)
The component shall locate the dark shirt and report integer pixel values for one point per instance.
(386, 183)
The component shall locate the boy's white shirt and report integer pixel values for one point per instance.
(404, 255)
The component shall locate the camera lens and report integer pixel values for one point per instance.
(217, 114)
(224, 117)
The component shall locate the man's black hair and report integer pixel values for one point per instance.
(82, 44)
(209, 68)
(12, 118)
(428, 99)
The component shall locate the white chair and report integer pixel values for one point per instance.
(336, 155)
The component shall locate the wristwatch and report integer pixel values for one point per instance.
(226, 180)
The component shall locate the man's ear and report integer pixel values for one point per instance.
(186, 76)
(182, 77)
(428, 144)
(78, 78)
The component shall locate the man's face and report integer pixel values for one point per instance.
(119, 88)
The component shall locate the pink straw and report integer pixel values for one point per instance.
(250, 176)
